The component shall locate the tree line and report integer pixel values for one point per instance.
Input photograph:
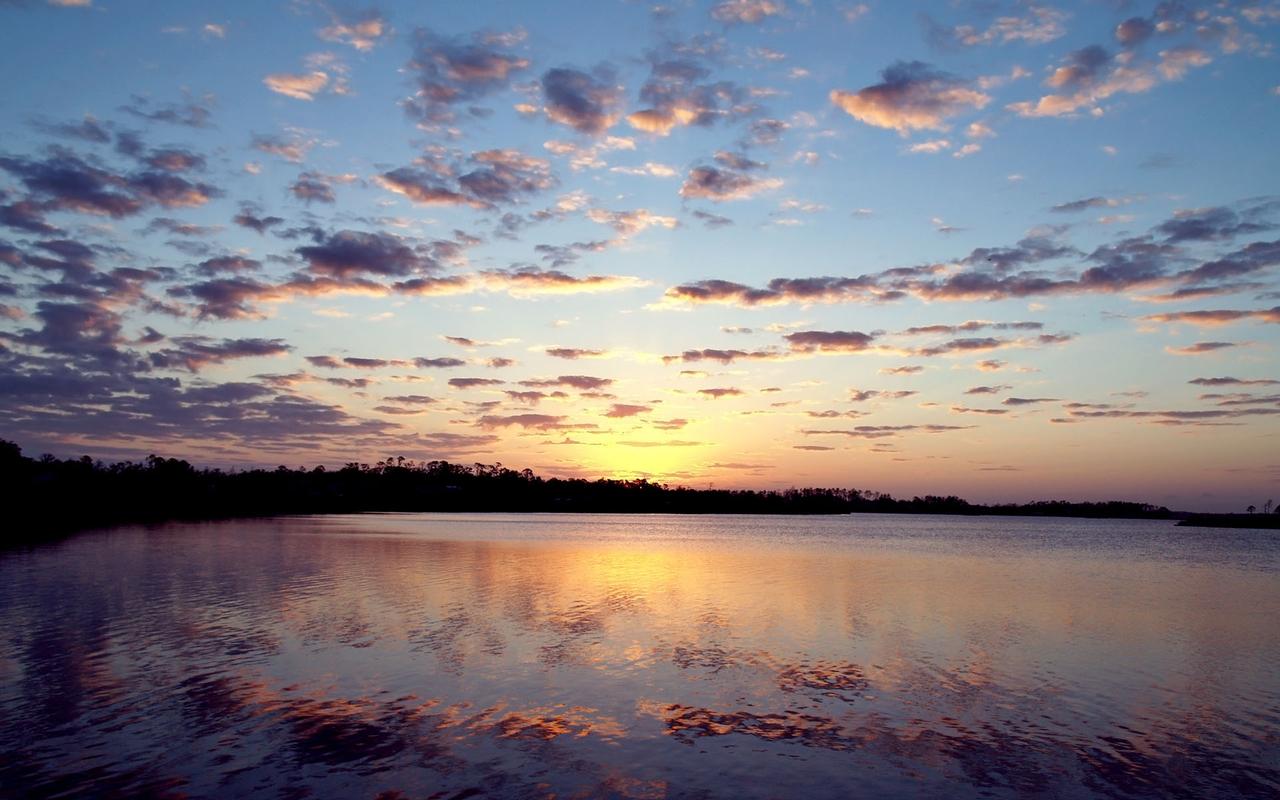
(50, 494)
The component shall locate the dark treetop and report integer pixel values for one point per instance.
(55, 495)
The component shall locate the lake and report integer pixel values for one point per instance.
(415, 656)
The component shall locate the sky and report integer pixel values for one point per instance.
(1005, 250)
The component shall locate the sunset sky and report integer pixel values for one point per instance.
(1004, 250)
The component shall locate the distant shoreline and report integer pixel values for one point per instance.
(1255, 521)
(56, 497)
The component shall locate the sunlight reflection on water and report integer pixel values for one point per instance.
(636, 656)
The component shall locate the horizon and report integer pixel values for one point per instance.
(401, 462)
(1007, 252)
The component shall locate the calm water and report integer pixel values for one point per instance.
(645, 657)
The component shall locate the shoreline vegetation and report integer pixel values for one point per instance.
(60, 496)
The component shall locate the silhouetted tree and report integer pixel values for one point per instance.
(78, 493)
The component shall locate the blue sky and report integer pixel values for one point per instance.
(728, 224)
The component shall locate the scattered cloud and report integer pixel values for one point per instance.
(1200, 348)
(911, 96)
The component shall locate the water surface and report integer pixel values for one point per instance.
(643, 656)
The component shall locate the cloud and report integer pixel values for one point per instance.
(1177, 61)
(1080, 68)
(669, 424)
(829, 341)
(1200, 348)
(351, 254)
(911, 96)
(173, 159)
(1040, 25)
(969, 326)
(932, 147)
(233, 264)
(300, 87)
(1242, 399)
(1004, 387)
(580, 382)
(293, 147)
(629, 223)
(414, 287)
(863, 395)
(748, 12)
(779, 290)
(228, 298)
(1216, 317)
(884, 431)
(422, 187)
(450, 71)
(730, 181)
(764, 133)
(312, 187)
(399, 410)
(1028, 401)
(1233, 382)
(649, 168)
(1091, 75)
(979, 344)
(574, 353)
(531, 281)
(27, 215)
(486, 179)
(161, 413)
(1087, 203)
(371, 363)
(994, 273)
(1134, 31)
(533, 397)
(587, 103)
(438, 363)
(194, 353)
(191, 113)
(174, 227)
(624, 410)
(722, 356)
(1171, 417)
(678, 94)
(85, 332)
(719, 392)
(993, 412)
(363, 32)
(249, 217)
(588, 156)
(473, 383)
(88, 129)
(537, 422)
(170, 191)
(1218, 223)
(503, 175)
(64, 182)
